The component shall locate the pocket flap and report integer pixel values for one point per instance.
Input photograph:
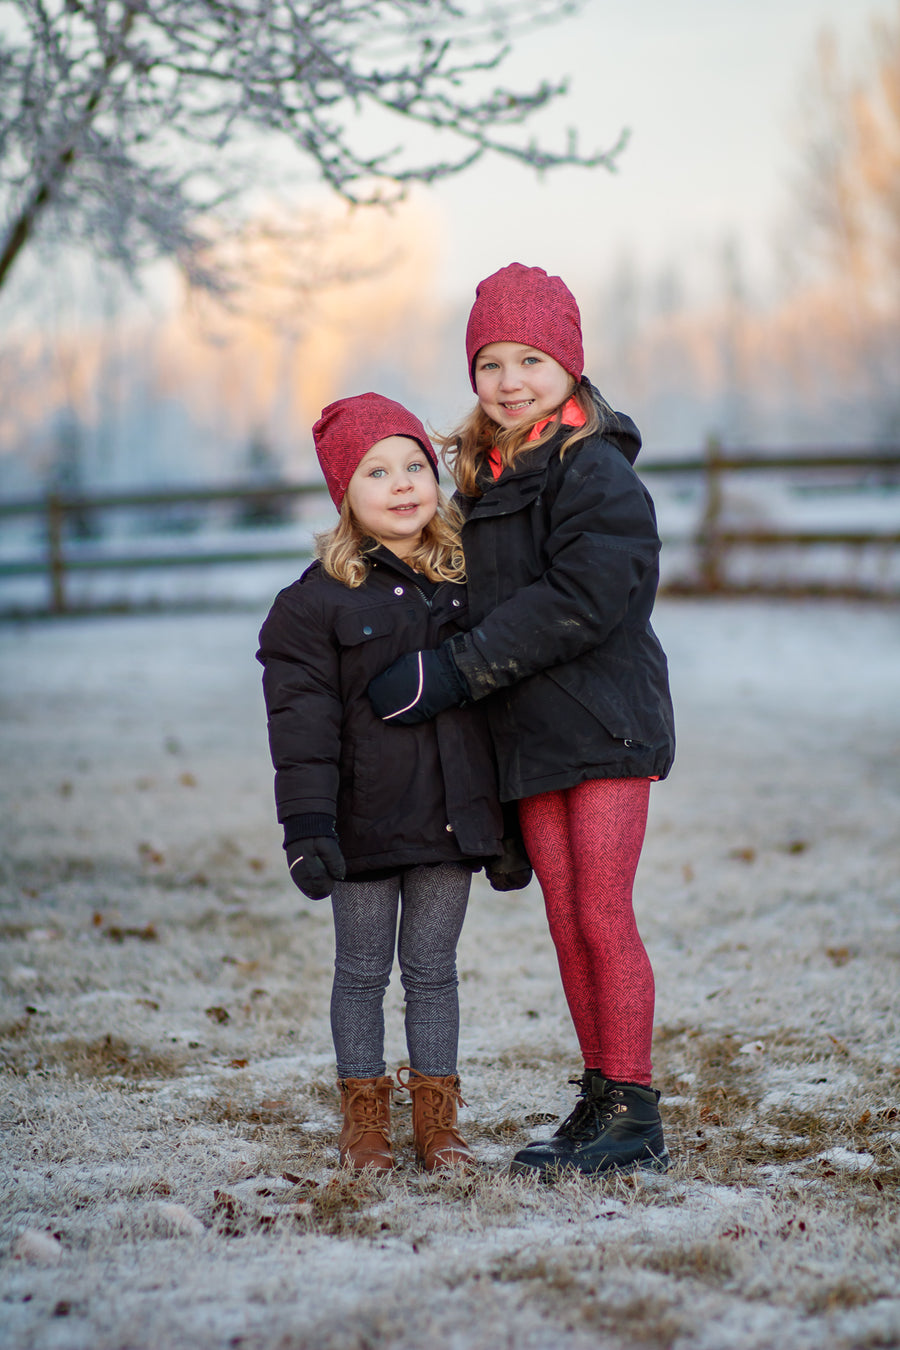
(362, 625)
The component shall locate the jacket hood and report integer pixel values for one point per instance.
(618, 428)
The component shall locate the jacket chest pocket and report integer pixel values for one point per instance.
(365, 625)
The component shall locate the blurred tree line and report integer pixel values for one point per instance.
(815, 364)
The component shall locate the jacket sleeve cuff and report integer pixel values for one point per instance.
(308, 827)
(474, 671)
(458, 683)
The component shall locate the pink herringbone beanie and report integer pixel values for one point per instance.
(351, 426)
(524, 304)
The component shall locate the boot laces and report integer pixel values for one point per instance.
(365, 1111)
(436, 1102)
(589, 1113)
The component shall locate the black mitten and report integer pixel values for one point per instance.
(511, 869)
(418, 686)
(315, 860)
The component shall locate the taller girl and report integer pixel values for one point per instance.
(562, 553)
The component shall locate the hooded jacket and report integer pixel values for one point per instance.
(562, 560)
(401, 795)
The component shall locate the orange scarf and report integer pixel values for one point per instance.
(572, 416)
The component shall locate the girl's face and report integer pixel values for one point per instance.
(517, 384)
(393, 493)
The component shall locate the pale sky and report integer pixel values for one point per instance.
(710, 90)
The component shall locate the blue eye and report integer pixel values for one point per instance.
(415, 466)
(376, 473)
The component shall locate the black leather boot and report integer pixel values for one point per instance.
(615, 1127)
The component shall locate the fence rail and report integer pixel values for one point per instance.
(714, 539)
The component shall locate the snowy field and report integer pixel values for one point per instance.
(168, 1104)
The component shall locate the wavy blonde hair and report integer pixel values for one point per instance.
(343, 551)
(466, 448)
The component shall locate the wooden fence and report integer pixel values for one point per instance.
(714, 539)
(718, 537)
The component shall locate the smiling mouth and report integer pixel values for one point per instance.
(519, 406)
(407, 506)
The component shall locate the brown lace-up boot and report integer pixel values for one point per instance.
(365, 1139)
(438, 1143)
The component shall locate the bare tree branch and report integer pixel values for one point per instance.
(124, 124)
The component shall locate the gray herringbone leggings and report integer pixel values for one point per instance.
(432, 904)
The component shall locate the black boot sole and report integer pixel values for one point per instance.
(560, 1168)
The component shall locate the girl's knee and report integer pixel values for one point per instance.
(429, 982)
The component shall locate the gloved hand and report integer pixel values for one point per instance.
(511, 869)
(418, 686)
(315, 865)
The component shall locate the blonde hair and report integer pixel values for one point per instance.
(343, 551)
(466, 448)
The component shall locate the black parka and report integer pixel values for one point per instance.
(562, 561)
(401, 795)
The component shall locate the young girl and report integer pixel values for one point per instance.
(374, 816)
(561, 549)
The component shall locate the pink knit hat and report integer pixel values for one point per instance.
(523, 304)
(351, 426)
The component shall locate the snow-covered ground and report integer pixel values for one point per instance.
(168, 1107)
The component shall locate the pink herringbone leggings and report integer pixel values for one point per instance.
(584, 843)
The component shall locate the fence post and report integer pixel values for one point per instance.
(709, 542)
(56, 565)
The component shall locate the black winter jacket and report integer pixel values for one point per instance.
(401, 795)
(562, 565)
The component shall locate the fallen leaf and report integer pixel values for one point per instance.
(115, 933)
(839, 956)
(747, 855)
(216, 1014)
(228, 1214)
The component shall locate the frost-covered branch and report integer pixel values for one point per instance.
(123, 122)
